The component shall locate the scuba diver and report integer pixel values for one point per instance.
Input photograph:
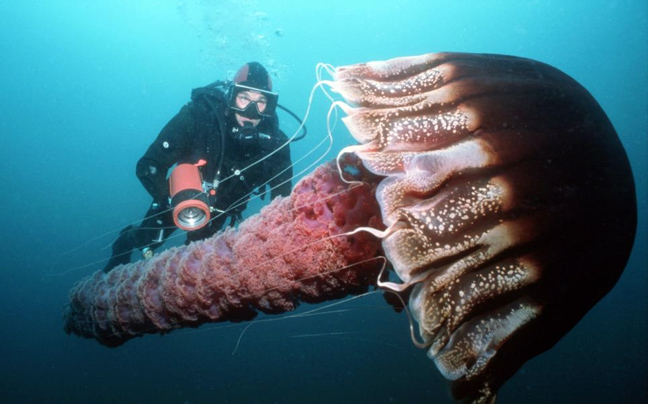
(226, 127)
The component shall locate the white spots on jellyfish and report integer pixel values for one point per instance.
(459, 212)
(423, 81)
(480, 342)
(422, 129)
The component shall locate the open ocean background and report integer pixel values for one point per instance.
(85, 87)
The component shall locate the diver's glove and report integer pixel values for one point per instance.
(161, 204)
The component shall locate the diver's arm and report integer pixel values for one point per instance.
(172, 144)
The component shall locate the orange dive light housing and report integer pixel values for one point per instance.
(189, 202)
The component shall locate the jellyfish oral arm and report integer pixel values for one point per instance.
(297, 249)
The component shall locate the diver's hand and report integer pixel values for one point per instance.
(160, 204)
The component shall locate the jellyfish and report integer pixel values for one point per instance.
(495, 188)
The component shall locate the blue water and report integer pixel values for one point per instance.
(85, 86)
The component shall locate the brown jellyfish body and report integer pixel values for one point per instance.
(509, 199)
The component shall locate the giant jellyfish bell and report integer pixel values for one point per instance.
(509, 200)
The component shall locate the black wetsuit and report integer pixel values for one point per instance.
(204, 130)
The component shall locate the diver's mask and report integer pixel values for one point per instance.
(264, 107)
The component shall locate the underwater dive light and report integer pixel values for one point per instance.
(189, 202)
